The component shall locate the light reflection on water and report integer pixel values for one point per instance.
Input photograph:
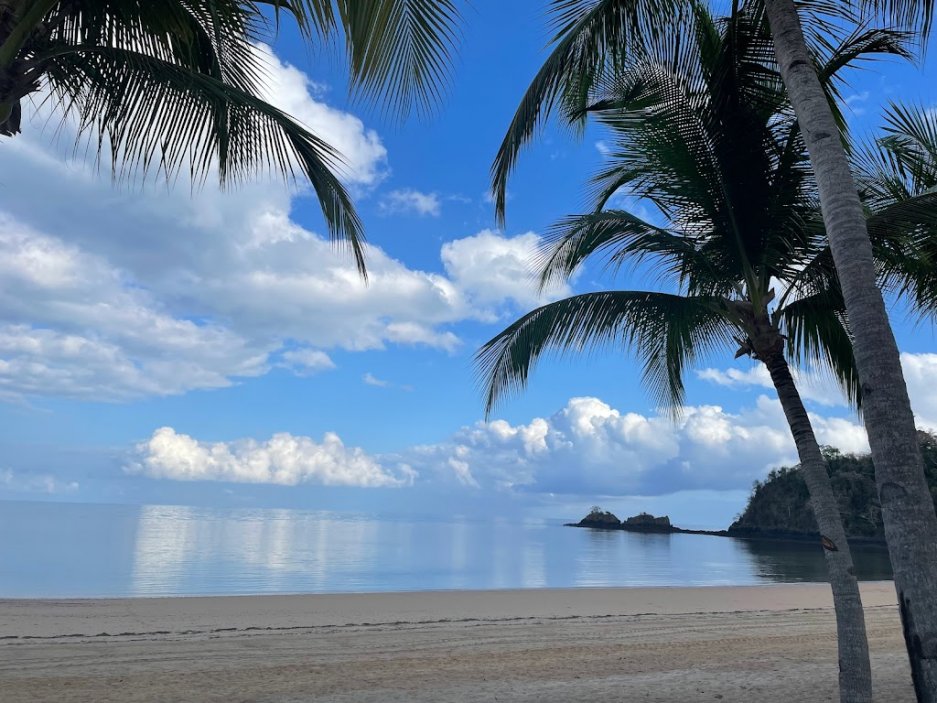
(60, 550)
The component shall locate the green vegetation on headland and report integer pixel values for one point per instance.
(779, 506)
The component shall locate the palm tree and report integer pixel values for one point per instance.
(907, 511)
(164, 85)
(594, 34)
(705, 133)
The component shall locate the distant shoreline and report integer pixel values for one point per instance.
(772, 535)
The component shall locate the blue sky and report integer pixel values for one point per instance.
(160, 346)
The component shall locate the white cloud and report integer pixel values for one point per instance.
(372, 380)
(282, 460)
(920, 372)
(416, 333)
(819, 388)
(411, 201)
(587, 448)
(71, 323)
(218, 305)
(491, 269)
(591, 448)
(159, 291)
(364, 157)
(34, 483)
(307, 361)
(856, 100)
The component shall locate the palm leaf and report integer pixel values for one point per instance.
(666, 331)
(818, 337)
(915, 15)
(399, 52)
(156, 115)
(626, 238)
(589, 35)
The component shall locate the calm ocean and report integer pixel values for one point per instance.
(76, 550)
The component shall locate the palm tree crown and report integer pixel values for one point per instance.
(593, 36)
(703, 131)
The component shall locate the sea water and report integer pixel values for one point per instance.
(61, 550)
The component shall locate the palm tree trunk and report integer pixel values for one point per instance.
(855, 673)
(907, 510)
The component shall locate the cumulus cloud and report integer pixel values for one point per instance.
(491, 269)
(130, 291)
(363, 155)
(307, 361)
(587, 448)
(282, 460)
(920, 373)
(411, 201)
(70, 322)
(591, 448)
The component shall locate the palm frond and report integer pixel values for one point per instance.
(589, 36)
(666, 331)
(625, 238)
(153, 115)
(904, 239)
(863, 44)
(914, 15)
(897, 178)
(400, 52)
(818, 338)
(911, 140)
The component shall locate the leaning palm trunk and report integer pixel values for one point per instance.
(907, 510)
(855, 673)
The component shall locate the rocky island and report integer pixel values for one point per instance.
(642, 522)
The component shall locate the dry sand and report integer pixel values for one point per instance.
(765, 643)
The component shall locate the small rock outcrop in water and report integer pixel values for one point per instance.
(600, 518)
(645, 522)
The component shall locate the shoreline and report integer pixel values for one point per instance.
(94, 599)
(726, 643)
(24, 619)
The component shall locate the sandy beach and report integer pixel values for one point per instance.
(764, 643)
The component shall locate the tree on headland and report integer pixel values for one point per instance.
(705, 133)
(167, 85)
(780, 505)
